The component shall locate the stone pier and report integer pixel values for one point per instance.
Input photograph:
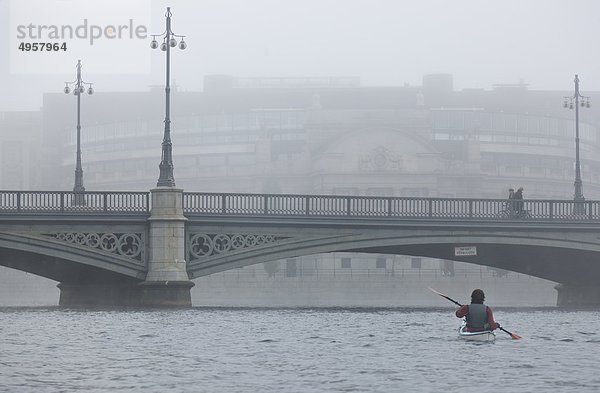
(167, 282)
(578, 295)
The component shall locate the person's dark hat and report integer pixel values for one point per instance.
(477, 296)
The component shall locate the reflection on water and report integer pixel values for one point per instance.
(240, 287)
(292, 350)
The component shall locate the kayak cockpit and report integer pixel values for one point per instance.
(485, 335)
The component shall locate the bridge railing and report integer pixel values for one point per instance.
(108, 202)
(396, 207)
(301, 205)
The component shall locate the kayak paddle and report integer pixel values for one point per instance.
(512, 335)
(446, 296)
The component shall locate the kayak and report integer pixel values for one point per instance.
(486, 335)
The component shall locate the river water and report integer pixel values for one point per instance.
(293, 350)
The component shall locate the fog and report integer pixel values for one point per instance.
(384, 42)
(537, 44)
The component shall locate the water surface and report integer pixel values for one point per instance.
(292, 350)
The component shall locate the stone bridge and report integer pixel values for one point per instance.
(143, 248)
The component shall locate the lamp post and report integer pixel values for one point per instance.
(166, 178)
(582, 101)
(78, 89)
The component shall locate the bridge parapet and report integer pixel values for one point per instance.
(393, 207)
(61, 202)
(197, 203)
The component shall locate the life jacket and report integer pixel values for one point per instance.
(477, 317)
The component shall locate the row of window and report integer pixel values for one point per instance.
(478, 122)
(510, 139)
(277, 120)
(293, 267)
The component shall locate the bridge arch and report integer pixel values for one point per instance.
(64, 262)
(553, 257)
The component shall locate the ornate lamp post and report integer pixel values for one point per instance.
(78, 89)
(568, 103)
(166, 178)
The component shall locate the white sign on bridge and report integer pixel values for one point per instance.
(469, 251)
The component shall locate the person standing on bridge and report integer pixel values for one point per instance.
(518, 197)
(479, 316)
(510, 204)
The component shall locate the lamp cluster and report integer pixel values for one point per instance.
(580, 100)
(168, 37)
(172, 42)
(78, 84)
(79, 88)
(585, 102)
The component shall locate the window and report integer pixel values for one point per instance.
(380, 263)
(346, 263)
(308, 267)
(291, 269)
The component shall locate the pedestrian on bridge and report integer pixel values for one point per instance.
(479, 317)
(518, 197)
(510, 206)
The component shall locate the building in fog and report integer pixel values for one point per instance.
(330, 136)
(324, 136)
(20, 150)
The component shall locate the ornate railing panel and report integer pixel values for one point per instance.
(207, 244)
(110, 202)
(130, 245)
(395, 207)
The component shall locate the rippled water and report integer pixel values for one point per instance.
(293, 350)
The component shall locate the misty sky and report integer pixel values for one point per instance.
(384, 42)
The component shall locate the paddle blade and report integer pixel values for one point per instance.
(439, 293)
(445, 296)
(512, 335)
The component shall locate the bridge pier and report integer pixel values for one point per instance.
(578, 295)
(98, 295)
(144, 294)
(167, 282)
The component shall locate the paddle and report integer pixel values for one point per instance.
(512, 335)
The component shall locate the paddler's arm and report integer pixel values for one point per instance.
(462, 311)
(490, 318)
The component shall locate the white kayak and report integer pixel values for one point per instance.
(486, 335)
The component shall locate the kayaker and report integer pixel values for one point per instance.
(479, 317)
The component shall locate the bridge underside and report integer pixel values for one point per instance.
(567, 266)
(579, 278)
(80, 284)
(59, 269)
(83, 285)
